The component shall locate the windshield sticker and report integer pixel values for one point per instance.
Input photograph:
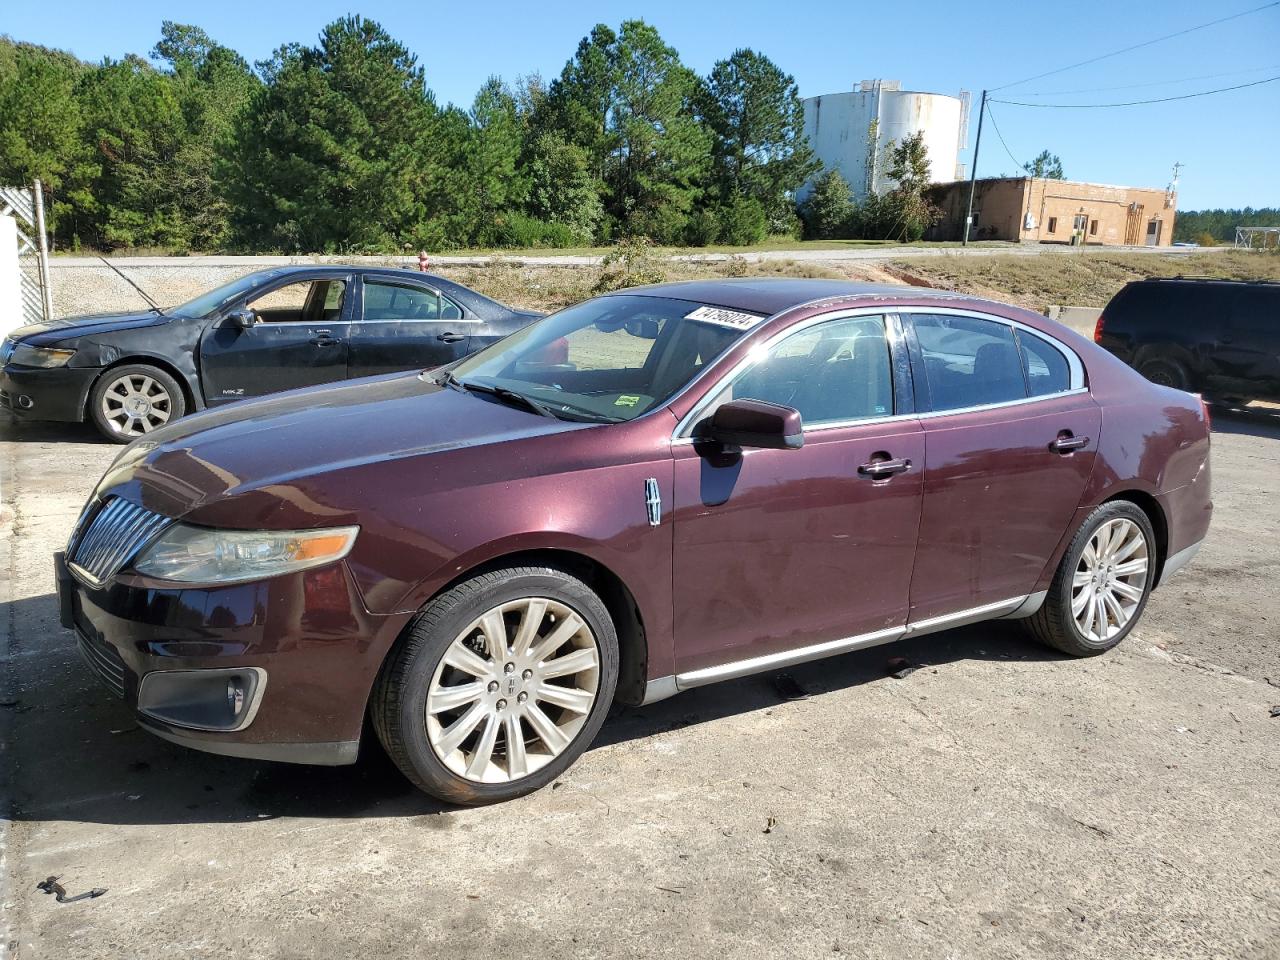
(725, 318)
(626, 400)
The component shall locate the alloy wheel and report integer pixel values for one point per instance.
(1110, 580)
(513, 690)
(135, 404)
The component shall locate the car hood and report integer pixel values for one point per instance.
(55, 331)
(298, 459)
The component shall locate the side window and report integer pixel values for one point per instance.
(390, 301)
(314, 301)
(1043, 365)
(1257, 310)
(969, 362)
(831, 372)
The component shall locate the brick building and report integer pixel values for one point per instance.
(1036, 210)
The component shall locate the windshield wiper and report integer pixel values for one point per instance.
(502, 393)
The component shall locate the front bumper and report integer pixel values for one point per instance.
(307, 635)
(57, 393)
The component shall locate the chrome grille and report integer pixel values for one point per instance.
(104, 662)
(112, 537)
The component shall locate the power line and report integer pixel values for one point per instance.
(1155, 83)
(1136, 46)
(1134, 103)
(995, 126)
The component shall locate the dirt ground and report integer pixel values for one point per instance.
(1001, 802)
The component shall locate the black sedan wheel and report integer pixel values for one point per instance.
(131, 401)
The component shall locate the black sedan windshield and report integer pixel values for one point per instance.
(612, 358)
(218, 297)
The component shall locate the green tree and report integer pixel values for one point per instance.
(759, 151)
(496, 184)
(42, 131)
(561, 187)
(905, 213)
(341, 149)
(579, 102)
(213, 85)
(828, 210)
(1046, 166)
(663, 151)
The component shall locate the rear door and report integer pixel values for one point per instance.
(1010, 434)
(300, 340)
(1248, 357)
(777, 550)
(406, 325)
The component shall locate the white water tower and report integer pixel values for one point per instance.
(840, 125)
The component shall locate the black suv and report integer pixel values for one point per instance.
(1220, 338)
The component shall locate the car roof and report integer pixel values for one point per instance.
(770, 295)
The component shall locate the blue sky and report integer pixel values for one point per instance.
(1227, 143)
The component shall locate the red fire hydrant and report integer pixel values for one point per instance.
(423, 261)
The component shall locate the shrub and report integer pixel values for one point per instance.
(631, 263)
(742, 222)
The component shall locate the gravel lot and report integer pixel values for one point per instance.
(1001, 802)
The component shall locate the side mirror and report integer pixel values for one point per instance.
(755, 423)
(244, 318)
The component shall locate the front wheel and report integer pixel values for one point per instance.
(499, 685)
(130, 401)
(1102, 585)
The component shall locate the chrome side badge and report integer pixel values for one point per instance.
(653, 501)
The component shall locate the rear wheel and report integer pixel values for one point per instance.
(499, 685)
(130, 401)
(1165, 372)
(1102, 585)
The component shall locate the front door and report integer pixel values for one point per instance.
(780, 549)
(1010, 438)
(299, 340)
(404, 325)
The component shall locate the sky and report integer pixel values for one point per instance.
(1226, 143)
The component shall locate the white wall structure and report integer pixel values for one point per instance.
(10, 279)
(839, 126)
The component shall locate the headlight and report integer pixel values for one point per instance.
(26, 356)
(200, 555)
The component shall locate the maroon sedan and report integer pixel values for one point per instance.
(646, 492)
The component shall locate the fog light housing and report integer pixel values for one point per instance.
(225, 699)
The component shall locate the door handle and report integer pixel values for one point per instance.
(324, 339)
(1066, 443)
(449, 337)
(883, 469)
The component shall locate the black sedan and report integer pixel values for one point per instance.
(268, 331)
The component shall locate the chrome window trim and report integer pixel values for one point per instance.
(679, 435)
(1074, 364)
(410, 285)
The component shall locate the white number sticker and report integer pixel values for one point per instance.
(725, 318)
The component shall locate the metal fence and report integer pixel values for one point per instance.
(26, 206)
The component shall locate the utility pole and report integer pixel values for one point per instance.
(973, 170)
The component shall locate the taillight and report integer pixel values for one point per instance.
(1097, 328)
(1204, 408)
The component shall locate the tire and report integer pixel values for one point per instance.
(442, 653)
(1059, 624)
(130, 401)
(1166, 372)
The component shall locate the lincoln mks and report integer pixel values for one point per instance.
(653, 490)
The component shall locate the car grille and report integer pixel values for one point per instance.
(105, 541)
(103, 661)
(5, 401)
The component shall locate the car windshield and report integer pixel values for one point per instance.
(609, 359)
(219, 297)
